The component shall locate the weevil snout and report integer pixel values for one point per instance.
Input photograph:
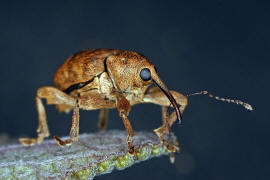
(156, 79)
(148, 73)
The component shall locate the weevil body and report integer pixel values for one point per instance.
(106, 79)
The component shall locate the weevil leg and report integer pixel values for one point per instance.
(103, 119)
(156, 96)
(123, 107)
(63, 108)
(74, 130)
(171, 147)
(53, 96)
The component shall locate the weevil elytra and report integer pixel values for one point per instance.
(105, 79)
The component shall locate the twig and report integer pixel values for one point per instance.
(93, 154)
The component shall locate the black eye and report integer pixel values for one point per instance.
(145, 74)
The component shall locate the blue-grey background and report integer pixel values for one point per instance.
(221, 46)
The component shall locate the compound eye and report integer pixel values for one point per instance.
(145, 74)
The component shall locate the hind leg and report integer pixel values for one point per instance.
(74, 130)
(53, 96)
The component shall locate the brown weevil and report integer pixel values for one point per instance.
(105, 79)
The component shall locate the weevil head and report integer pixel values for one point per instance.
(133, 73)
(129, 70)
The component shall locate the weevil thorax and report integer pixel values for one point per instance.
(124, 69)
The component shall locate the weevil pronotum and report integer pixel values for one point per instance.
(105, 79)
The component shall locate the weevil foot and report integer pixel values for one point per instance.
(172, 157)
(28, 141)
(171, 148)
(169, 145)
(62, 143)
(132, 150)
(31, 141)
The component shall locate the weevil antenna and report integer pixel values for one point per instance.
(228, 100)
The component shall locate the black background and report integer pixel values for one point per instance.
(221, 46)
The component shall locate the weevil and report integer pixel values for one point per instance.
(105, 79)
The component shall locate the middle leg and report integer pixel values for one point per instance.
(103, 119)
(86, 102)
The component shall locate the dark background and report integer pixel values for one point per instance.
(221, 46)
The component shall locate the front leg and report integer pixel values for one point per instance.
(156, 96)
(123, 107)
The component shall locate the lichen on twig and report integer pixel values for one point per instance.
(93, 154)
